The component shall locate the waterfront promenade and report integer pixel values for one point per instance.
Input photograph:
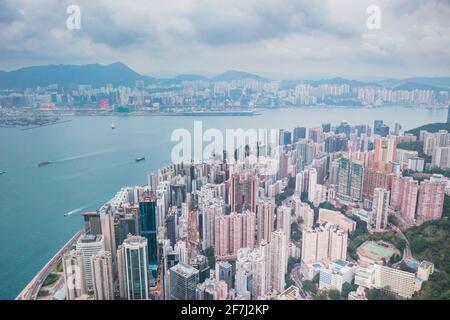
(31, 291)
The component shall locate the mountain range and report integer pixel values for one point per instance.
(98, 75)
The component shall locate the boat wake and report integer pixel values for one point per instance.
(75, 211)
(85, 155)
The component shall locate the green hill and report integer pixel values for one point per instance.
(431, 127)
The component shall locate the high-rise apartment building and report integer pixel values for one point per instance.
(404, 196)
(243, 192)
(431, 198)
(350, 180)
(324, 243)
(385, 149)
(264, 220)
(380, 209)
(74, 278)
(233, 232)
(278, 246)
(103, 276)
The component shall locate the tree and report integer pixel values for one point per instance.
(394, 258)
(316, 278)
(380, 294)
(309, 286)
(347, 288)
(291, 263)
(321, 295)
(288, 281)
(334, 294)
(296, 233)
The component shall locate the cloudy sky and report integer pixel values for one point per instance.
(275, 38)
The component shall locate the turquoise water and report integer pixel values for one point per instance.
(92, 162)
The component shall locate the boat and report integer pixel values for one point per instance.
(43, 163)
(140, 159)
(2, 172)
(113, 126)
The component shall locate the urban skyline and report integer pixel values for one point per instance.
(229, 228)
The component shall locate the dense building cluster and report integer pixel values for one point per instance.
(218, 94)
(224, 228)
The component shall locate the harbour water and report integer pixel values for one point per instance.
(39, 207)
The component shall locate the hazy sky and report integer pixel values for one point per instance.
(279, 39)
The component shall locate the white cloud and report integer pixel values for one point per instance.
(291, 37)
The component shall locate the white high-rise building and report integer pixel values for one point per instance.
(107, 224)
(73, 268)
(312, 184)
(324, 243)
(299, 183)
(284, 221)
(89, 246)
(380, 208)
(279, 260)
(210, 210)
(103, 276)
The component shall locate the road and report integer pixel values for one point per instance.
(296, 276)
(30, 292)
(407, 255)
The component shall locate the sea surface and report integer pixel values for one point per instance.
(90, 162)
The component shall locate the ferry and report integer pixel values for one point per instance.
(43, 163)
(140, 159)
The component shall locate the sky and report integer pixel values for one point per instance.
(281, 39)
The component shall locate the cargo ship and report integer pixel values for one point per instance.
(43, 163)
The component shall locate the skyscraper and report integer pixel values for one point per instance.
(385, 149)
(377, 124)
(380, 208)
(431, 198)
(324, 243)
(299, 133)
(89, 246)
(350, 179)
(103, 276)
(243, 192)
(209, 211)
(312, 184)
(183, 282)
(108, 232)
(404, 196)
(92, 224)
(147, 212)
(278, 246)
(74, 278)
(224, 271)
(233, 232)
(132, 264)
(264, 220)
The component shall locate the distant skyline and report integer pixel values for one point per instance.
(293, 39)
